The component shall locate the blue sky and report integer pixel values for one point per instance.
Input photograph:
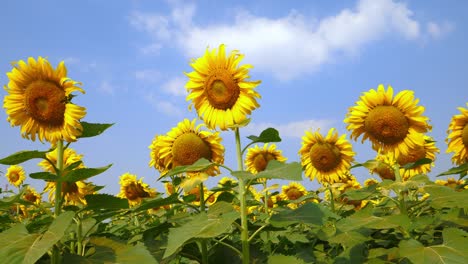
(314, 58)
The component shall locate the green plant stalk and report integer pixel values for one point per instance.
(79, 237)
(204, 247)
(401, 195)
(58, 197)
(267, 211)
(243, 205)
(332, 199)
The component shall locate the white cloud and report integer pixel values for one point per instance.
(152, 49)
(148, 75)
(106, 87)
(288, 46)
(163, 106)
(294, 129)
(439, 30)
(175, 86)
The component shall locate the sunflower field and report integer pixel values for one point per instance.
(400, 216)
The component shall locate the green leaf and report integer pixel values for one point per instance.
(453, 250)
(217, 221)
(43, 176)
(92, 129)
(349, 238)
(309, 213)
(7, 202)
(23, 156)
(370, 164)
(417, 163)
(55, 232)
(111, 251)
(199, 165)
(360, 194)
(83, 173)
(281, 259)
(268, 135)
(445, 197)
(462, 169)
(274, 170)
(157, 202)
(105, 201)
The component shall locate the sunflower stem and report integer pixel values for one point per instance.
(58, 197)
(243, 207)
(79, 236)
(401, 194)
(267, 211)
(204, 247)
(332, 199)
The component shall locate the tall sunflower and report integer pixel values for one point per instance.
(73, 193)
(327, 158)
(219, 89)
(392, 124)
(15, 175)
(38, 100)
(457, 139)
(257, 158)
(184, 145)
(134, 190)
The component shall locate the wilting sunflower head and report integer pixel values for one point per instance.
(15, 175)
(134, 190)
(457, 139)
(226, 181)
(169, 187)
(384, 166)
(32, 196)
(392, 124)
(219, 89)
(38, 101)
(370, 181)
(257, 158)
(184, 145)
(327, 158)
(73, 193)
(427, 150)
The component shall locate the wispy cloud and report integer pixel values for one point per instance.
(106, 87)
(148, 75)
(163, 106)
(175, 86)
(294, 129)
(439, 30)
(278, 41)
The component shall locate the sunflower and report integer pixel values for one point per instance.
(384, 166)
(457, 139)
(15, 175)
(209, 199)
(427, 150)
(184, 145)
(292, 192)
(134, 190)
(169, 187)
(38, 100)
(458, 185)
(218, 87)
(370, 181)
(327, 158)
(257, 158)
(73, 193)
(349, 182)
(31, 195)
(393, 124)
(227, 182)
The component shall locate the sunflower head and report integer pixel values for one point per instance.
(184, 145)
(392, 124)
(457, 139)
(32, 196)
(15, 175)
(384, 167)
(292, 192)
(134, 190)
(327, 158)
(38, 101)
(257, 158)
(69, 157)
(458, 185)
(73, 193)
(219, 89)
(370, 181)
(427, 150)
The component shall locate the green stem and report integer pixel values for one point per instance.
(243, 205)
(401, 194)
(58, 197)
(204, 247)
(332, 199)
(268, 242)
(79, 237)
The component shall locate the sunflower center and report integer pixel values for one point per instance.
(69, 187)
(188, 148)
(134, 191)
(30, 197)
(14, 176)
(324, 156)
(261, 161)
(465, 136)
(44, 101)
(221, 90)
(414, 155)
(293, 194)
(387, 124)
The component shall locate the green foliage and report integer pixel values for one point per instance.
(93, 129)
(22, 156)
(83, 173)
(274, 170)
